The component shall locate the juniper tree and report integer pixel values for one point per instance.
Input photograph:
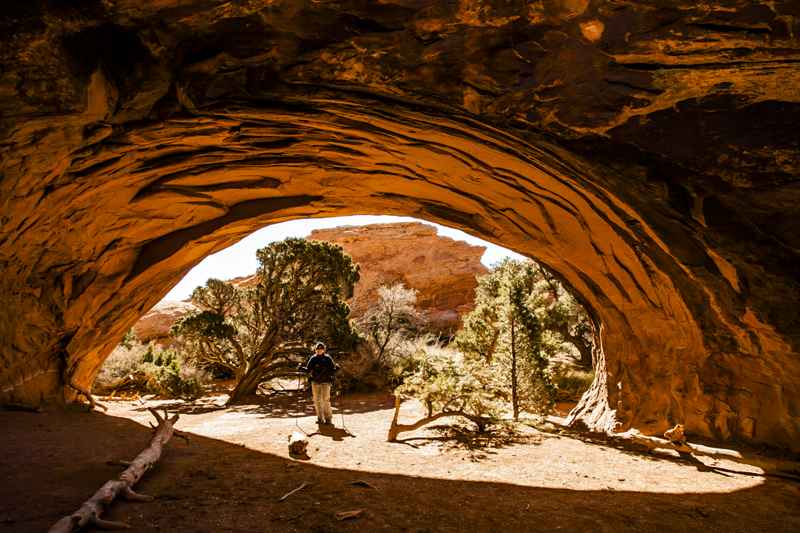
(262, 332)
(562, 315)
(504, 334)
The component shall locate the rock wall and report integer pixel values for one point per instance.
(156, 323)
(646, 151)
(442, 270)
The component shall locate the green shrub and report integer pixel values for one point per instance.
(149, 368)
(173, 378)
(441, 378)
(570, 382)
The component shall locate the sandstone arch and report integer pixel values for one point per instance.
(137, 140)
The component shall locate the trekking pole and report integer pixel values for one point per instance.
(297, 414)
(341, 411)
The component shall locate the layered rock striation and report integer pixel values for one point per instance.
(442, 270)
(646, 151)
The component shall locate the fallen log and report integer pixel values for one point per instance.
(771, 465)
(89, 512)
(397, 428)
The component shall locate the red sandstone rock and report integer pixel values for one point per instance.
(645, 151)
(442, 270)
(156, 323)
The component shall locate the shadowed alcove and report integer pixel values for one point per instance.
(171, 138)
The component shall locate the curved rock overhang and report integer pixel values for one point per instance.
(654, 172)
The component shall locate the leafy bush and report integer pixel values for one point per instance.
(122, 363)
(441, 378)
(168, 375)
(148, 368)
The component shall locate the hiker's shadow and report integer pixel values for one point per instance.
(337, 434)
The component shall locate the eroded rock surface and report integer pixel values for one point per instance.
(442, 270)
(156, 323)
(646, 151)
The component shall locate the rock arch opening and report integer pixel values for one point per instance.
(188, 186)
(430, 272)
(625, 147)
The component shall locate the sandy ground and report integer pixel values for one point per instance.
(441, 478)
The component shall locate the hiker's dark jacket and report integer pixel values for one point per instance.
(321, 368)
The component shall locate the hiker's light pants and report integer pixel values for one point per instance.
(322, 401)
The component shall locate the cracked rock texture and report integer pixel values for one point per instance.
(646, 151)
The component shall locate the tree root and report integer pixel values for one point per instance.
(87, 395)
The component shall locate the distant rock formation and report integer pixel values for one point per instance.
(155, 324)
(442, 270)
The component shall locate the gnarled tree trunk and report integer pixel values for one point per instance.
(255, 375)
(247, 386)
(395, 429)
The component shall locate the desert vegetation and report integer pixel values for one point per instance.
(526, 344)
(263, 332)
(524, 351)
(134, 366)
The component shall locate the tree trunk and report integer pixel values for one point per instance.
(514, 390)
(585, 348)
(89, 513)
(386, 339)
(246, 386)
(587, 352)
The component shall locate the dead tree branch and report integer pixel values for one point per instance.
(790, 468)
(397, 428)
(88, 395)
(89, 512)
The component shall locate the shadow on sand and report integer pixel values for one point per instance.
(279, 403)
(52, 462)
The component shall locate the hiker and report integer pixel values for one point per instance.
(321, 370)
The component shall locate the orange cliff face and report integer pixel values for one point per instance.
(156, 323)
(646, 152)
(442, 270)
